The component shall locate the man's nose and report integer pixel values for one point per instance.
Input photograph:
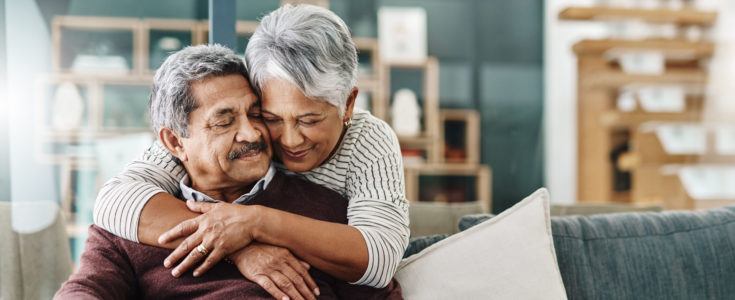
(247, 132)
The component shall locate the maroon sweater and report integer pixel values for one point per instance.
(114, 268)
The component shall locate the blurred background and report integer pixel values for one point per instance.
(613, 105)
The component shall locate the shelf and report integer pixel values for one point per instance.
(75, 135)
(87, 22)
(668, 47)
(668, 184)
(415, 140)
(482, 182)
(616, 119)
(618, 79)
(469, 136)
(459, 169)
(685, 16)
(137, 79)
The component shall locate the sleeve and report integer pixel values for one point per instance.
(104, 272)
(378, 207)
(122, 198)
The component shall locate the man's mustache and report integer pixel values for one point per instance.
(258, 146)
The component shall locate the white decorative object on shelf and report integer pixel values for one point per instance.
(708, 182)
(626, 100)
(67, 112)
(694, 33)
(402, 34)
(725, 140)
(649, 4)
(662, 98)
(681, 138)
(406, 113)
(676, 4)
(169, 43)
(108, 64)
(643, 62)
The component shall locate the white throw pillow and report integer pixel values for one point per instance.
(510, 256)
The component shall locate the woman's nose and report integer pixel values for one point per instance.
(291, 137)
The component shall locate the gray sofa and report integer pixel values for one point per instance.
(641, 255)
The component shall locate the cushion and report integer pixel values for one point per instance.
(509, 257)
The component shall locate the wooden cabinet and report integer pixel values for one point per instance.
(619, 160)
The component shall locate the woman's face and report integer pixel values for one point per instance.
(303, 131)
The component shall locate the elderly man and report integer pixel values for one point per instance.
(208, 117)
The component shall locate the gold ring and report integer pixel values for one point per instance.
(202, 250)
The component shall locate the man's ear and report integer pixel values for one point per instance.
(350, 104)
(172, 142)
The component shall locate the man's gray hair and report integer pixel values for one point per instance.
(171, 99)
(308, 46)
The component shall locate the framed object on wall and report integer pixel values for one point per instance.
(402, 33)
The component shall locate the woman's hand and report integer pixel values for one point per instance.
(222, 229)
(276, 270)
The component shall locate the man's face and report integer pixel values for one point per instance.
(228, 144)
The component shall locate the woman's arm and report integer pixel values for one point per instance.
(131, 204)
(337, 249)
(378, 207)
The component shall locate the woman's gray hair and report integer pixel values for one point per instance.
(308, 46)
(171, 99)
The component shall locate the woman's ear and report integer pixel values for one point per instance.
(350, 104)
(173, 143)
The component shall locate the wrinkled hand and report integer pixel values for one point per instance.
(222, 229)
(276, 270)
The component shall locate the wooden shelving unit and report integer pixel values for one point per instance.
(481, 173)
(669, 47)
(652, 164)
(471, 135)
(603, 130)
(429, 136)
(615, 79)
(684, 16)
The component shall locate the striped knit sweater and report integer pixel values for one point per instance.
(367, 169)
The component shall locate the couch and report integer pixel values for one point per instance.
(35, 257)
(639, 255)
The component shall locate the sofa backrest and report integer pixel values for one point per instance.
(667, 255)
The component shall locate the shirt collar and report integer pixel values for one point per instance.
(191, 194)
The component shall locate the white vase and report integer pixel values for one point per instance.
(406, 113)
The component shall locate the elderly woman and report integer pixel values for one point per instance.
(302, 62)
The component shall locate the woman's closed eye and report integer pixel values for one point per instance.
(309, 122)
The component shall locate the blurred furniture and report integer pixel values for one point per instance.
(639, 255)
(681, 165)
(33, 265)
(436, 218)
(429, 218)
(607, 69)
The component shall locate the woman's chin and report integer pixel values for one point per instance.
(297, 166)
